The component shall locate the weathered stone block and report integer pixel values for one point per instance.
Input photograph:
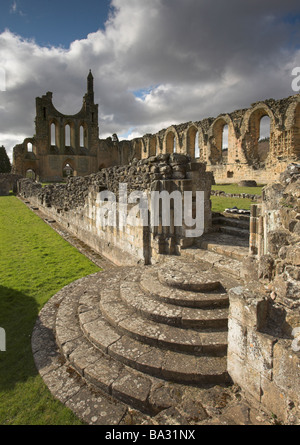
(242, 374)
(273, 399)
(287, 369)
(237, 338)
(260, 352)
(248, 309)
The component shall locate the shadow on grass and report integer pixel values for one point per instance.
(18, 314)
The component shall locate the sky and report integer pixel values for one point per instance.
(155, 62)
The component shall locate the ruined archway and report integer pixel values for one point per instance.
(255, 152)
(152, 146)
(193, 142)
(221, 140)
(83, 136)
(170, 143)
(30, 174)
(68, 170)
(54, 134)
(263, 145)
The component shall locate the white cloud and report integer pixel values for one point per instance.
(156, 63)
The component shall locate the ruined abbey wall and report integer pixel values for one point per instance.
(243, 158)
(61, 141)
(77, 207)
(73, 142)
(264, 319)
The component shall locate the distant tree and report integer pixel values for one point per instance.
(5, 165)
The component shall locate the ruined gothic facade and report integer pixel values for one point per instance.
(70, 145)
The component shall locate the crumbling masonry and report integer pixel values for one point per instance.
(181, 312)
(66, 145)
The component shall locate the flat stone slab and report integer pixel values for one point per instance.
(223, 264)
(150, 283)
(189, 276)
(226, 245)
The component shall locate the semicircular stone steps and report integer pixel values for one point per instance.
(152, 308)
(125, 333)
(189, 278)
(178, 297)
(126, 322)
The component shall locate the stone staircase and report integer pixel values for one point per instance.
(226, 247)
(232, 224)
(129, 331)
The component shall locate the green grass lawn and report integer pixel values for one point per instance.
(220, 203)
(35, 263)
(234, 188)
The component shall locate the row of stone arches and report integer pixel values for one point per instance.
(247, 136)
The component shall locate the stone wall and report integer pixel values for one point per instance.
(77, 206)
(246, 156)
(264, 320)
(8, 182)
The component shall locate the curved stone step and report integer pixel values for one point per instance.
(149, 359)
(125, 321)
(170, 365)
(147, 306)
(122, 366)
(150, 283)
(98, 369)
(188, 277)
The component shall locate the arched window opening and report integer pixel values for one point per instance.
(224, 147)
(30, 174)
(197, 148)
(264, 138)
(67, 135)
(171, 143)
(152, 147)
(29, 147)
(53, 134)
(225, 138)
(264, 128)
(68, 171)
(81, 136)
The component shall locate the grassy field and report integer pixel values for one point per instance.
(234, 188)
(35, 263)
(220, 203)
